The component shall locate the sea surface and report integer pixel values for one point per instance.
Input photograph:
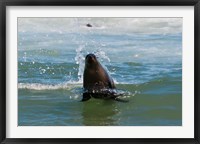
(146, 67)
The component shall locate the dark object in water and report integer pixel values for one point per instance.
(96, 81)
(88, 25)
(103, 95)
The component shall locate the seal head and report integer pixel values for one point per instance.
(88, 25)
(95, 76)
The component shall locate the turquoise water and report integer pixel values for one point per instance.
(146, 67)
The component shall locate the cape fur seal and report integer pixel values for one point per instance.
(88, 25)
(96, 81)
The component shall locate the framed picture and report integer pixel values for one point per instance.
(99, 72)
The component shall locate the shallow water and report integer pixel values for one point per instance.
(146, 67)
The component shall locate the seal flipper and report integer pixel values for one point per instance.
(86, 97)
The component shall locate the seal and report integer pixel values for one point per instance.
(88, 25)
(97, 82)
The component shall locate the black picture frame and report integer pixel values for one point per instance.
(5, 3)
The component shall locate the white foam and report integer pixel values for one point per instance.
(103, 25)
(39, 86)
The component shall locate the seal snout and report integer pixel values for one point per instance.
(90, 58)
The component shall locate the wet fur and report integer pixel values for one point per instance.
(96, 81)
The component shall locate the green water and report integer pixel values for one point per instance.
(154, 104)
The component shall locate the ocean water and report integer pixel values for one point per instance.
(145, 66)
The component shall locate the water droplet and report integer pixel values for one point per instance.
(24, 57)
(136, 55)
(43, 70)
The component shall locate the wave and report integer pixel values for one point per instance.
(103, 25)
(78, 84)
(39, 86)
(133, 64)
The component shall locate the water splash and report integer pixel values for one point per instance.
(80, 61)
(25, 57)
(102, 55)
